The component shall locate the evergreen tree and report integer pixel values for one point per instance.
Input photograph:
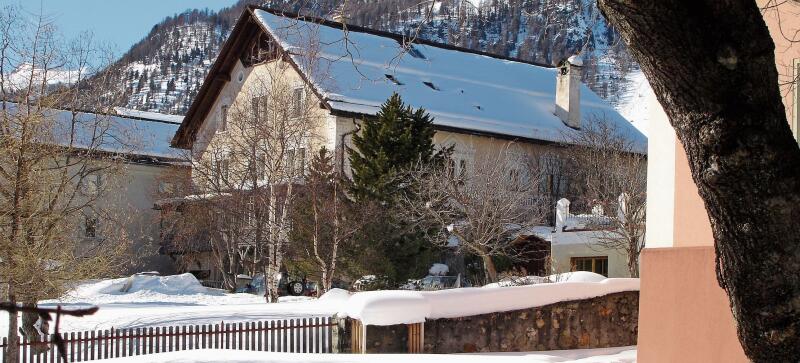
(398, 137)
(387, 145)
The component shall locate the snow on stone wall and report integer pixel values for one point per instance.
(408, 307)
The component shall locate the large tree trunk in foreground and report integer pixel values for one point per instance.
(711, 64)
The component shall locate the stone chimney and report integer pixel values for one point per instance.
(568, 91)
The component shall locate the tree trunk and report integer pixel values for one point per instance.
(11, 354)
(31, 331)
(633, 261)
(711, 64)
(490, 269)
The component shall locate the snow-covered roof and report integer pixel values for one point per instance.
(462, 89)
(112, 133)
(122, 111)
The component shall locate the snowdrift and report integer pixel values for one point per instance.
(408, 307)
(184, 284)
(138, 288)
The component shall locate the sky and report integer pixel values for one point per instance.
(120, 23)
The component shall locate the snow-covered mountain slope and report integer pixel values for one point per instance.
(636, 102)
(164, 71)
(21, 76)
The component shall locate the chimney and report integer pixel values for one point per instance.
(568, 91)
(562, 214)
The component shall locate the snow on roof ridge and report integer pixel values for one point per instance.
(400, 38)
(409, 307)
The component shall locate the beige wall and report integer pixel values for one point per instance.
(138, 182)
(246, 83)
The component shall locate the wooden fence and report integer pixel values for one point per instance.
(306, 335)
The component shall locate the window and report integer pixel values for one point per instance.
(92, 183)
(261, 166)
(259, 105)
(297, 102)
(301, 161)
(513, 180)
(90, 227)
(223, 118)
(597, 264)
(462, 168)
(220, 170)
(289, 163)
(164, 187)
(251, 211)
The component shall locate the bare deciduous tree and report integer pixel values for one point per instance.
(58, 167)
(249, 173)
(327, 220)
(483, 205)
(612, 173)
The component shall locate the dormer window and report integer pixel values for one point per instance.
(431, 86)
(393, 79)
(414, 52)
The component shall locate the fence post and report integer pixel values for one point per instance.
(334, 339)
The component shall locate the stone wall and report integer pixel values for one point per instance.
(605, 321)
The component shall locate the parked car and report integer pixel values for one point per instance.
(289, 285)
(436, 282)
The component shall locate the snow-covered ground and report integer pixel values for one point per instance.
(606, 355)
(174, 300)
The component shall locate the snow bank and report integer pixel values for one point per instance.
(139, 288)
(335, 295)
(407, 307)
(185, 284)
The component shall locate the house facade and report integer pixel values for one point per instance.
(333, 79)
(683, 310)
(584, 242)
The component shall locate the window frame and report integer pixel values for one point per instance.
(574, 261)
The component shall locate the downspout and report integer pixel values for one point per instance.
(344, 135)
